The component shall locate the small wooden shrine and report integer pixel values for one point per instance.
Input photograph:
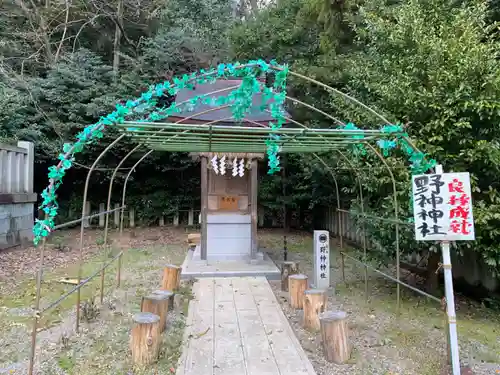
(229, 185)
(229, 180)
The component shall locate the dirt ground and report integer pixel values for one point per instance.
(413, 343)
(101, 346)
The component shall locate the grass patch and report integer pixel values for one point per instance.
(52, 289)
(296, 242)
(66, 362)
(108, 353)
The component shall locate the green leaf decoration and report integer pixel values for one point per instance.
(241, 102)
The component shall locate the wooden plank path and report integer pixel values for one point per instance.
(235, 326)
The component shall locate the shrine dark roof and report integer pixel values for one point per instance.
(221, 88)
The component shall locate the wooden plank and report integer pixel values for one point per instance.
(204, 207)
(254, 188)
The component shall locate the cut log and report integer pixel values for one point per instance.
(156, 304)
(315, 301)
(171, 277)
(297, 285)
(287, 269)
(145, 339)
(335, 336)
(194, 238)
(169, 295)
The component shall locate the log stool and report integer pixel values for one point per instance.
(145, 339)
(156, 304)
(335, 336)
(167, 294)
(315, 301)
(297, 285)
(287, 269)
(194, 239)
(171, 277)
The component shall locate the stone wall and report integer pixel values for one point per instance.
(16, 194)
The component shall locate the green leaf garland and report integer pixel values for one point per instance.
(145, 109)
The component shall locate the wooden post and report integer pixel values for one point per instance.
(167, 294)
(193, 239)
(162, 221)
(287, 269)
(171, 277)
(86, 222)
(156, 304)
(145, 339)
(315, 301)
(102, 208)
(176, 219)
(260, 221)
(297, 285)
(116, 215)
(335, 336)
(191, 217)
(204, 207)
(131, 218)
(448, 346)
(254, 188)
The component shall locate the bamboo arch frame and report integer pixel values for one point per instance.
(145, 155)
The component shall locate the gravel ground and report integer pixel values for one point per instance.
(384, 343)
(101, 346)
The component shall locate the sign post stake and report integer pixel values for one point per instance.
(442, 209)
(450, 300)
(321, 259)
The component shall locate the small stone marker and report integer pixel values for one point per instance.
(335, 336)
(321, 273)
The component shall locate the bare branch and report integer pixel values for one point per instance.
(44, 38)
(81, 29)
(64, 32)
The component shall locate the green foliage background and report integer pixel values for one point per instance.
(429, 64)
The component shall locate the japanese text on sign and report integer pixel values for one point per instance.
(442, 207)
(322, 259)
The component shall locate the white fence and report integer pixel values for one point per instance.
(188, 217)
(347, 226)
(16, 194)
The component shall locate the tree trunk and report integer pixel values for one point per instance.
(118, 35)
(335, 336)
(254, 7)
(315, 301)
(297, 285)
(432, 278)
(145, 339)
